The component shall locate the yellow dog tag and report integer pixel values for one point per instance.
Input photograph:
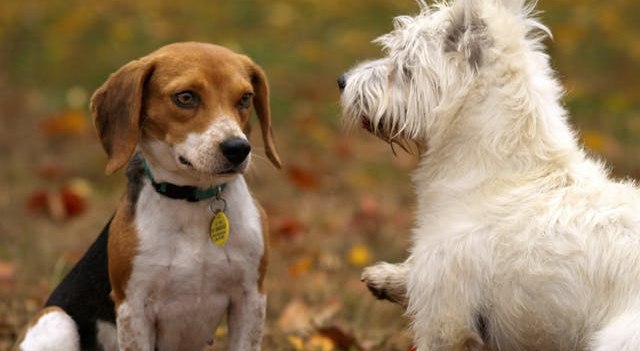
(219, 229)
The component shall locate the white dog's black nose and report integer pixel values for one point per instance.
(235, 150)
(342, 82)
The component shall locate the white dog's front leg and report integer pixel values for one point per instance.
(246, 320)
(445, 293)
(135, 331)
(388, 281)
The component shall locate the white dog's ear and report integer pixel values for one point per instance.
(467, 34)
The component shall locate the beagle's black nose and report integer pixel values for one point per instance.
(235, 150)
(342, 82)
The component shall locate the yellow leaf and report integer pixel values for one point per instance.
(359, 255)
(296, 342)
(319, 342)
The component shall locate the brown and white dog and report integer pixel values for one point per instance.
(154, 279)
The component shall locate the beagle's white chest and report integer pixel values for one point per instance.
(185, 280)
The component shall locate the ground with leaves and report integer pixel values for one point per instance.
(342, 200)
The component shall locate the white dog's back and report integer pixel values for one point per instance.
(565, 259)
(521, 242)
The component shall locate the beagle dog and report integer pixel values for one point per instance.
(187, 243)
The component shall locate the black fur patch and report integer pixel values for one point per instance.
(482, 327)
(135, 177)
(84, 292)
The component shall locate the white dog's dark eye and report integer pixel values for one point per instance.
(186, 99)
(245, 101)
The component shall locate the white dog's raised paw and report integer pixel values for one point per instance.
(386, 281)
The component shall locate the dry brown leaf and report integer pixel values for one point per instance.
(327, 312)
(295, 317)
(341, 339)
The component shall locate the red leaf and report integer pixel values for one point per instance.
(63, 204)
(37, 201)
(74, 204)
(289, 226)
(303, 178)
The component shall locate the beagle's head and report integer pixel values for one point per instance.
(186, 107)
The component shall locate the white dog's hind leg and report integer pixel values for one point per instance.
(621, 334)
(53, 331)
(387, 281)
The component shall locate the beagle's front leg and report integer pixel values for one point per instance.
(246, 319)
(135, 330)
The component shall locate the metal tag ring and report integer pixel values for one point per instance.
(213, 202)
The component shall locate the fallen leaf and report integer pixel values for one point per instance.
(319, 342)
(340, 339)
(7, 272)
(47, 202)
(301, 266)
(81, 187)
(70, 122)
(303, 178)
(324, 314)
(67, 202)
(289, 226)
(359, 255)
(74, 203)
(37, 201)
(295, 317)
(296, 342)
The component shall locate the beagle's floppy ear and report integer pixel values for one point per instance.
(261, 104)
(117, 111)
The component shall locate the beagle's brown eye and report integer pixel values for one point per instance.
(186, 99)
(245, 101)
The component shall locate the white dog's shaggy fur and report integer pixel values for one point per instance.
(521, 241)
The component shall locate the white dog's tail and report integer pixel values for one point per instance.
(51, 330)
(620, 334)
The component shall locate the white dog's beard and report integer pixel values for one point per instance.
(393, 139)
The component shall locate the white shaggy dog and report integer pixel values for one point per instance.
(521, 241)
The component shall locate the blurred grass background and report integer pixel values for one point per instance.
(341, 202)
